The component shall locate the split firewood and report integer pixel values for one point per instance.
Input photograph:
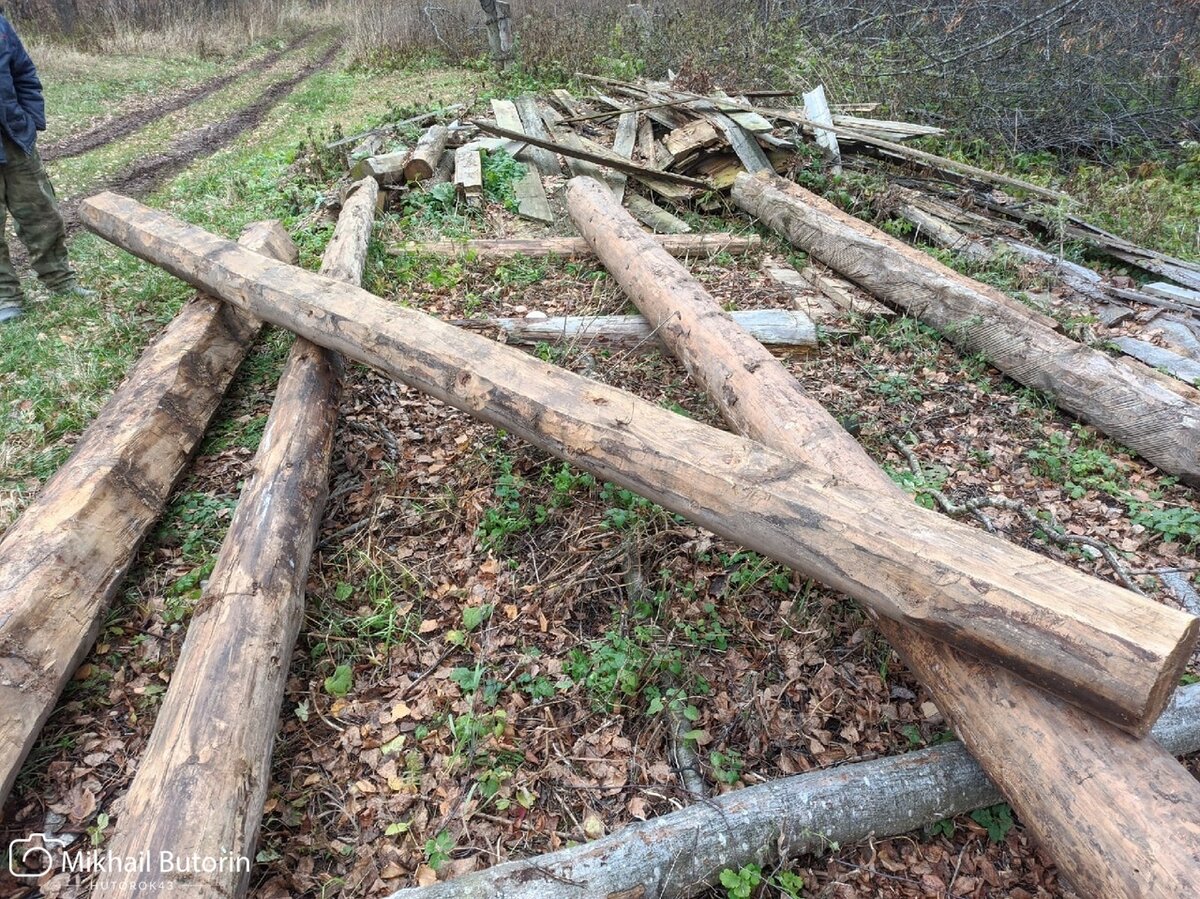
(1124, 401)
(682, 854)
(387, 169)
(468, 175)
(202, 781)
(1099, 646)
(993, 712)
(63, 560)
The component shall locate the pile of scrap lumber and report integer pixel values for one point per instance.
(1052, 678)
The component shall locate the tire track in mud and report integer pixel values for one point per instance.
(124, 124)
(150, 172)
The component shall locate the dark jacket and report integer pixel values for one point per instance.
(22, 110)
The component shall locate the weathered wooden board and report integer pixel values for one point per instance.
(1181, 367)
(816, 108)
(532, 124)
(654, 217)
(531, 198)
(468, 174)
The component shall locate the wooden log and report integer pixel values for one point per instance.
(1080, 764)
(499, 26)
(655, 217)
(886, 129)
(427, 153)
(1125, 402)
(645, 142)
(62, 561)
(202, 781)
(387, 169)
(784, 328)
(1111, 651)
(577, 248)
(682, 854)
(468, 175)
(531, 124)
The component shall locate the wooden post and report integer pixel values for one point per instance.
(1105, 648)
(1081, 765)
(499, 25)
(62, 561)
(1125, 401)
(202, 781)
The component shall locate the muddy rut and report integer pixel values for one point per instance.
(127, 122)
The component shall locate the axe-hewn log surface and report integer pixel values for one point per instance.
(1100, 646)
(683, 853)
(1125, 401)
(202, 781)
(1059, 767)
(62, 561)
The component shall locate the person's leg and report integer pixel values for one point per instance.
(10, 284)
(39, 225)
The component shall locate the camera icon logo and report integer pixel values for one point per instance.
(31, 856)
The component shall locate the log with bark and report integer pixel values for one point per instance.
(683, 853)
(1125, 401)
(577, 248)
(1063, 786)
(202, 781)
(62, 561)
(1102, 647)
(780, 328)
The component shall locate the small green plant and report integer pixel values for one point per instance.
(726, 766)
(500, 173)
(95, 831)
(438, 849)
(340, 682)
(742, 883)
(996, 819)
(506, 518)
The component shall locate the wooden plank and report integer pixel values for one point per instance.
(645, 142)
(654, 216)
(844, 295)
(565, 101)
(805, 297)
(63, 560)
(577, 248)
(531, 198)
(579, 166)
(1104, 648)
(816, 108)
(1174, 292)
(1124, 401)
(781, 328)
(623, 144)
(888, 130)
(735, 109)
(686, 141)
(604, 158)
(505, 112)
(532, 124)
(1186, 370)
(468, 175)
(748, 151)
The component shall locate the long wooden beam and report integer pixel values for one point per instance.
(1126, 401)
(1113, 652)
(202, 781)
(62, 561)
(1058, 767)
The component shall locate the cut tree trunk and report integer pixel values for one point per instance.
(682, 853)
(425, 156)
(202, 781)
(1104, 648)
(577, 248)
(784, 328)
(62, 561)
(1062, 787)
(1125, 401)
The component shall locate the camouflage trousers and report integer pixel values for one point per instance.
(26, 194)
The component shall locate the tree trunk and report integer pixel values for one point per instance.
(682, 853)
(1080, 766)
(577, 248)
(426, 155)
(201, 784)
(1115, 653)
(62, 561)
(1124, 401)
